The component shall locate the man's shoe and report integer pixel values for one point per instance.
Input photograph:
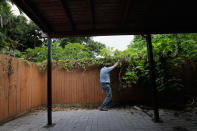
(103, 109)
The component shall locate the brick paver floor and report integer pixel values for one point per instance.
(112, 120)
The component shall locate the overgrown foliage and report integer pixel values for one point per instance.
(18, 29)
(93, 46)
(71, 51)
(170, 53)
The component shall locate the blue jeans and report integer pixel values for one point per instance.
(108, 99)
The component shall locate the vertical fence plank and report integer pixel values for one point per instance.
(19, 70)
(3, 88)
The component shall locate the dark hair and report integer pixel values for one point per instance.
(108, 64)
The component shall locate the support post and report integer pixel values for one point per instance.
(153, 78)
(49, 83)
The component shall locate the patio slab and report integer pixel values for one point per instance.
(112, 120)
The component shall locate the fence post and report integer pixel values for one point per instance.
(153, 79)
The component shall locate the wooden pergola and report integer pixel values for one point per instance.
(67, 18)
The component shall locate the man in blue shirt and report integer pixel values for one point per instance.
(105, 85)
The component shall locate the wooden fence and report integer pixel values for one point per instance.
(80, 86)
(23, 86)
(20, 87)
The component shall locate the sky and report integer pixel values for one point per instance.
(119, 42)
(16, 11)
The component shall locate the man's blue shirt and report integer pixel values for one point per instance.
(105, 74)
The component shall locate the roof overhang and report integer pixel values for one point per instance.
(61, 18)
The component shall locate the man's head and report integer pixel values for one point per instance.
(108, 64)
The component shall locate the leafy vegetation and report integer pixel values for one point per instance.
(93, 46)
(18, 28)
(170, 53)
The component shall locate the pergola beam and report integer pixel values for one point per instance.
(68, 13)
(125, 31)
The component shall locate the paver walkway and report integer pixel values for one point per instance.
(112, 120)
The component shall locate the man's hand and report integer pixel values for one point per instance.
(116, 64)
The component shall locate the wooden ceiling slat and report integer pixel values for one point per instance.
(68, 13)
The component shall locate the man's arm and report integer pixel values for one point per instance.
(108, 69)
(116, 64)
